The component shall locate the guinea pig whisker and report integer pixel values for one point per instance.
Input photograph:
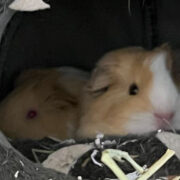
(169, 125)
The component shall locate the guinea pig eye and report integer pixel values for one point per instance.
(100, 91)
(133, 89)
(31, 114)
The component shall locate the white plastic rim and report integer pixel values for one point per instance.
(28, 5)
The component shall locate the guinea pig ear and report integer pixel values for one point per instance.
(99, 82)
(60, 102)
(60, 99)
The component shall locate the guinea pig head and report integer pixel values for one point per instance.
(40, 106)
(130, 91)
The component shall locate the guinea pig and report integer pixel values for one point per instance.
(45, 102)
(131, 91)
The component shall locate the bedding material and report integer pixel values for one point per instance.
(145, 150)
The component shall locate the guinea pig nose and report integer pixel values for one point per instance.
(164, 116)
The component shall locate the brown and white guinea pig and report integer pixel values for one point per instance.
(130, 91)
(44, 103)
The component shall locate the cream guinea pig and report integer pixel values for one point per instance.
(131, 90)
(45, 102)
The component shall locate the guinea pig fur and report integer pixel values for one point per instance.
(44, 103)
(131, 90)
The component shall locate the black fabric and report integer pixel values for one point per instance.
(168, 26)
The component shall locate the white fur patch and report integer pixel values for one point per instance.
(163, 98)
(73, 72)
(141, 123)
(164, 92)
(72, 79)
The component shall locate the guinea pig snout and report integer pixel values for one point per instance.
(164, 119)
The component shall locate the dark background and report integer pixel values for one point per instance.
(78, 32)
